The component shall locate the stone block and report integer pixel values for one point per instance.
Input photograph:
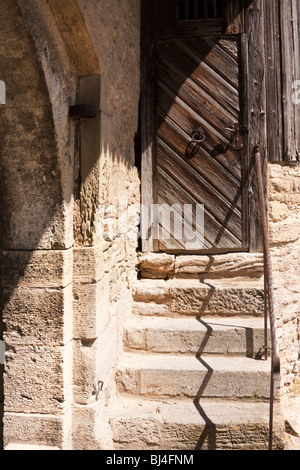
(150, 308)
(135, 338)
(90, 428)
(89, 264)
(286, 231)
(278, 211)
(244, 336)
(144, 292)
(47, 269)
(33, 430)
(156, 265)
(92, 310)
(193, 297)
(94, 361)
(37, 317)
(147, 431)
(187, 376)
(280, 187)
(276, 171)
(34, 380)
(185, 425)
(222, 301)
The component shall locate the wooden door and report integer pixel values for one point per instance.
(195, 123)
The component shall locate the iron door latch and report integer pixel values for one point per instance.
(237, 140)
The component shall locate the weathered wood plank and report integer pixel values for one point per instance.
(204, 27)
(182, 230)
(216, 234)
(203, 192)
(244, 102)
(273, 82)
(256, 109)
(223, 64)
(177, 52)
(217, 140)
(195, 97)
(290, 52)
(202, 162)
(148, 113)
(234, 17)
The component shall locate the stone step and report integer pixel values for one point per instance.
(214, 376)
(230, 297)
(190, 335)
(140, 424)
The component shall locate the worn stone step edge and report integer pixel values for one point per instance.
(163, 265)
(195, 335)
(141, 424)
(190, 297)
(159, 375)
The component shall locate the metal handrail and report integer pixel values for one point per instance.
(269, 288)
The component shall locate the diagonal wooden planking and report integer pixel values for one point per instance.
(197, 82)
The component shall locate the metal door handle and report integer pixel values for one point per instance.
(198, 135)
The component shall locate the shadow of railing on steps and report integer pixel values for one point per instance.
(209, 434)
(208, 438)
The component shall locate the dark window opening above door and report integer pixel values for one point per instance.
(199, 9)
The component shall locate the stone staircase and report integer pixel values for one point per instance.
(192, 374)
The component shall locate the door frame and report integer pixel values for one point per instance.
(159, 22)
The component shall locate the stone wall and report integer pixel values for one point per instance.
(284, 215)
(105, 258)
(36, 246)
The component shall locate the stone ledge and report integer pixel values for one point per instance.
(191, 336)
(161, 265)
(169, 375)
